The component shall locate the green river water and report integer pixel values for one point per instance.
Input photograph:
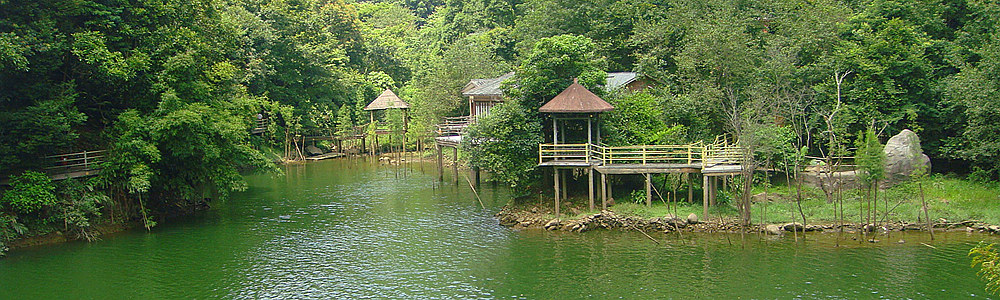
(348, 229)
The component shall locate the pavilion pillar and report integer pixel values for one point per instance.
(555, 131)
(598, 130)
(556, 187)
(712, 191)
(565, 187)
(590, 186)
(604, 191)
(590, 133)
(611, 194)
(440, 162)
(704, 196)
(690, 183)
(649, 190)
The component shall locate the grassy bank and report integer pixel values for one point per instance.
(949, 199)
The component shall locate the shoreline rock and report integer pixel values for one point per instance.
(535, 218)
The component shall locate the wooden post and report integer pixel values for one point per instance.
(475, 175)
(690, 187)
(611, 194)
(589, 134)
(590, 186)
(555, 131)
(604, 191)
(556, 186)
(704, 196)
(455, 163)
(712, 190)
(440, 162)
(565, 187)
(649, 191)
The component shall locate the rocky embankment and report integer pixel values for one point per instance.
(534, 218)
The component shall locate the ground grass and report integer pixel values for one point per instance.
(949, 198)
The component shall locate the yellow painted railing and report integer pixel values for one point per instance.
(691, 154)
(566, 152)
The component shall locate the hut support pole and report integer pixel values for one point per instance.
(604, 191)
(455, 163)
(555, 131)
(565, 187)
(440, 163)
(704, 198)
(556, 186)
(690, 182)
(712, 193)
(649, 190)
(590, 186)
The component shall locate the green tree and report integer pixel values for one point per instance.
(505, 141)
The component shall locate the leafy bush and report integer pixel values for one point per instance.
(29, 192)
(987, 257)
(79, 204)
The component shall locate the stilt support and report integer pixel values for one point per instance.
(604, 191)
(590, 186)
(704, 196)
(556, 185)
(649, 190)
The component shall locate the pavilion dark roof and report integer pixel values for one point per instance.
(576, 99)
(387, 100)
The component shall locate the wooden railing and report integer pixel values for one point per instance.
(75, 164)
(722, 154)
(643, 154)
(574, 152)
(652, 154)
(453, 126)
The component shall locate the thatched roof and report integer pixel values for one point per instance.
(387, 100)
(576, 99)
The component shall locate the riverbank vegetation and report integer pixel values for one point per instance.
(172, 90)
(950, 199)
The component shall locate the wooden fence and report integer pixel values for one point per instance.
(73, 165)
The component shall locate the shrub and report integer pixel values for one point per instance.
(29, 192)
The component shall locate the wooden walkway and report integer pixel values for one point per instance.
(712, 161)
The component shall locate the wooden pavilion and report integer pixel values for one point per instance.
(385, 101)
(575, 104)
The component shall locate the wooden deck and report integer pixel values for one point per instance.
(714, 159)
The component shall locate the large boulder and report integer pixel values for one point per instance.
(903, 155)
(313, 150)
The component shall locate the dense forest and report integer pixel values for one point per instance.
(170, 88)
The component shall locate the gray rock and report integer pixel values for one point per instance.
(552, 225)
(313, 150)
(692, 219)
(903, 155)
(774, 229)
(792, 227)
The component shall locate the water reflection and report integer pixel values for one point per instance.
(351, 229)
